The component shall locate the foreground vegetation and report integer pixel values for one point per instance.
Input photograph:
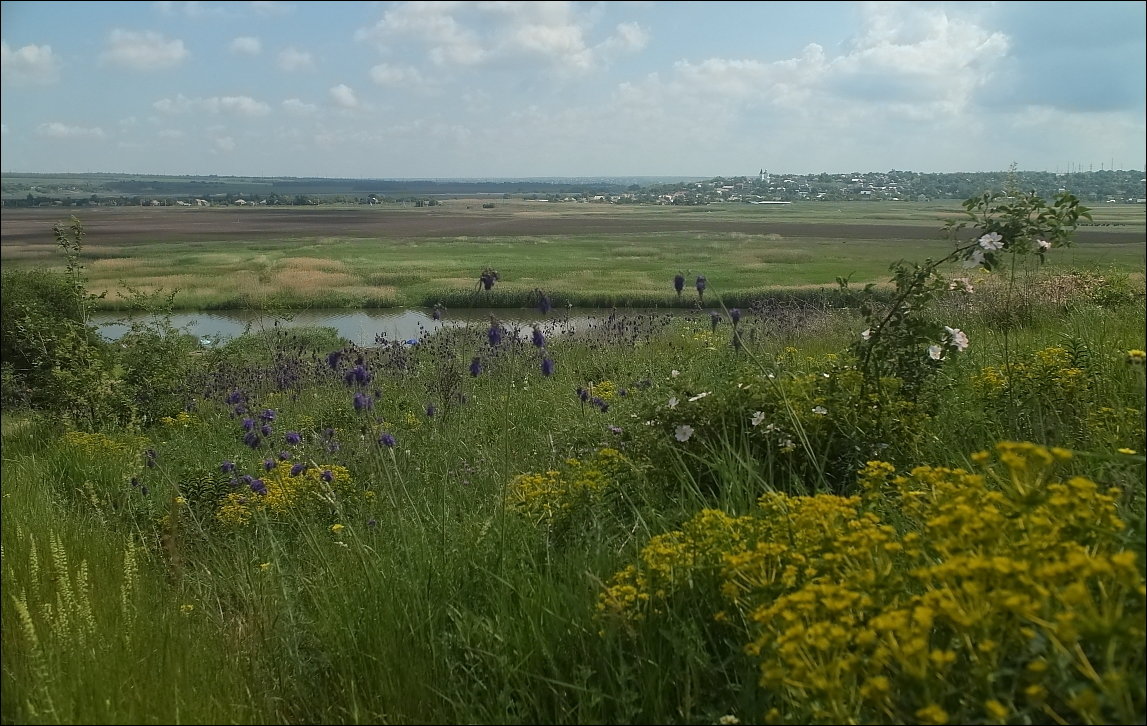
(925, 508)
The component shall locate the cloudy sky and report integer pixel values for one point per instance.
(519, 89)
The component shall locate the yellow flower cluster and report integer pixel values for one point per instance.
(118, 448)
(285, 493)
(182, 419)
(550, 495)
(604, 390)
(996, 593)
(1049, 371)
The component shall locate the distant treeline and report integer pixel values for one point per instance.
(23, 190)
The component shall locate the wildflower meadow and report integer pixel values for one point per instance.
(917, 503)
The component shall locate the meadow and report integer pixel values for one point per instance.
(586, 255)
(926, 506)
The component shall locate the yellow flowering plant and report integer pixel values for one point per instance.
(938, 595)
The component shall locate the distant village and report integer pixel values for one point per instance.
(762, 188)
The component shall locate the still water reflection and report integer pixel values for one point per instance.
(364, 327)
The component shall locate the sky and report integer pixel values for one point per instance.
(569, 89)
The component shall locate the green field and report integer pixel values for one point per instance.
(626, 256)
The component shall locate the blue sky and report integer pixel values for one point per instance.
(518, 89)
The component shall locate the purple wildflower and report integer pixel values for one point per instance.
(547, 366)
(259, 487)
(265, 429)
(334, 358)
(436, 314)
(134, 481)
(735, 315)
(298, 469)
(235, 397)
(539, 340)
(327, 476)
(583, 394)
(268, 464)
(293, 438)
(284, 456)
(679, 283)
(358, 374)
(240, 410)
(268, 414)
(714, 320)
(544, 304)
(248, 424)
(387, 440)
(252, 439)
(227, 467)
(431, 410)
(475, 366)
(494, 334)
(363, 402)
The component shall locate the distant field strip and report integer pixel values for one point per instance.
(224, 258)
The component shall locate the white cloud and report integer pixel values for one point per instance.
(297, 107)
(559, 34)
(29, 64)
(171, 134)
(433, 24)
(224, 143)
(628, 37)
(3, 129)
(292, 59)
(143, 50)
(237, 105)
(385, 74)
(57, 130)
(344, 96)
(906, 63)
(246, 45)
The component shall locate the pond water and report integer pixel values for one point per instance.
(365, 327)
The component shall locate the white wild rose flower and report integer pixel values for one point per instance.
(957, 338)
(975, 259)
(992, 242)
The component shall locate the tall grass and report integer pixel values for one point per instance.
(436, 586)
